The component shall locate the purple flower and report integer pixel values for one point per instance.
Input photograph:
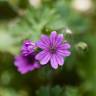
(26, 62)
(53, 50)
(27, 48)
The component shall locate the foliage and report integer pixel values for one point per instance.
(19, 20)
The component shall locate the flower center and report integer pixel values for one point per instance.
(53, 50)
(30, 59)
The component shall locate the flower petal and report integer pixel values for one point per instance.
(45, 39)
(64, 46)
(44, 42)
(41, 45)
(41, 55)
(64, 53)
(23, 70)
(59, 39)
(36, 65)
(54, 62)
(53, 37)
(19, 61)
(45, 59)
(60, 59)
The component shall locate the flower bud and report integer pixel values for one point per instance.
(35, 3)
(82, 5)
(67, 31)
(81, 46)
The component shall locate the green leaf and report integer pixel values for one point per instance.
(50, 91)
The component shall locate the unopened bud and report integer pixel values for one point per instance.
(35, 3)
(82, 5)
(81, 46)
(68, 31)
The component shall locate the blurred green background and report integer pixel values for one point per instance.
(28, 19)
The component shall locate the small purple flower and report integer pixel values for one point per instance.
(54, 50)
(27, 48)
(26, 61)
